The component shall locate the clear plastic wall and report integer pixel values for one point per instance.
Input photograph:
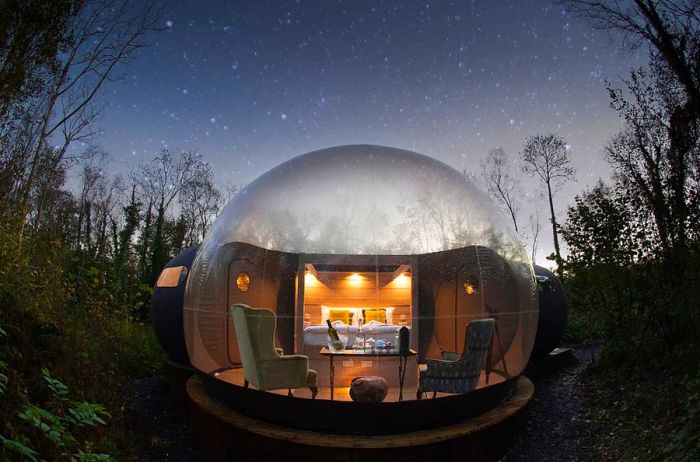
(364, 200)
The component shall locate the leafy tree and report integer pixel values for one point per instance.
(31, 34)
(598, 228)
(547, 156)
(123, 245)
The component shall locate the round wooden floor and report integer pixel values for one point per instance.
(225, 434)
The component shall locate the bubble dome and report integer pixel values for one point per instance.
(363, 233)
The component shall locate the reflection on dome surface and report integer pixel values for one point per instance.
(362, 200)
(373, 239)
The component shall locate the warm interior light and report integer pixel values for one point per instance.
(402, 280)
(470, 286)
(171, 277)
(355, 279)
(310, 280)
(243, 282)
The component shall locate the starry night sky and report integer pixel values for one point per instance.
(251, 84)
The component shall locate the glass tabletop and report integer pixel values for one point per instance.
(367, 352)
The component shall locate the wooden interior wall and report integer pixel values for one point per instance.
(357, 290)
(271, 286)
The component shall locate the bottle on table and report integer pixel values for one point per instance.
(333, 335)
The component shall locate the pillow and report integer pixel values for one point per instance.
(378, 315)
(339, 315)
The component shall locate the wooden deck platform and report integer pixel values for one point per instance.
(235, 376)
(228, 435)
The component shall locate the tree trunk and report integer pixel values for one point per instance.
(145, 237)
(157, 256)
(88, 226)
(40, 143)
(555, 235)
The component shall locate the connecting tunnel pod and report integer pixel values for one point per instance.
(167, 306)
(367, 237)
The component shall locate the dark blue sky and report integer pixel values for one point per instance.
(251, 84)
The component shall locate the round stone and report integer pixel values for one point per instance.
(372, 389)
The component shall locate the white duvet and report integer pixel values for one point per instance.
(318, 335)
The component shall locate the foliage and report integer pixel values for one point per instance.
(684, 444)
(79, 264)
(63, 425)
(634, 264)
(634, 407)
(33, 33)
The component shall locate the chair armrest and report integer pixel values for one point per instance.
(433, 363)
(439, 368)
(295, 358)
(279, 351)
(450, 356)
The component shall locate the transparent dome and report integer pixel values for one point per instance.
(363, 200)
(382, 216)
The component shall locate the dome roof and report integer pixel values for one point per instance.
(363, 199)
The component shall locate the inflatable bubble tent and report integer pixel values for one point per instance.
(363, 234)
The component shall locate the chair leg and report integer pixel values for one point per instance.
(289, 392)
(314, 392)
(419, 394)
(245, 384)
(434, 394)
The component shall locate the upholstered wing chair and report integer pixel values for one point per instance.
(265, 366)
(455, 373)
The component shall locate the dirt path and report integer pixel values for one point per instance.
(557, 428)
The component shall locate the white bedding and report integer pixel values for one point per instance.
(318, 335)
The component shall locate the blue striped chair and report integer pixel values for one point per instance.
(455, 373)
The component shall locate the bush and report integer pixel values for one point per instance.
(60, 312)
(61, 429)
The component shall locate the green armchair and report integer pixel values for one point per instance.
(457, 373)
(265, 366)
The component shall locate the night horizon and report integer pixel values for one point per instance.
(250, 87)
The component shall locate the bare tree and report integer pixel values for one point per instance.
(104, 35)
(670, 27)
(656, 157)
(161, 181)
(200, 202)
(229, 190)
(501, 184)
(97, 203)
(547, 156)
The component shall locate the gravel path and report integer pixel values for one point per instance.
(167, 434)
(557, 427)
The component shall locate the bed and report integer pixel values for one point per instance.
(372, 323)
